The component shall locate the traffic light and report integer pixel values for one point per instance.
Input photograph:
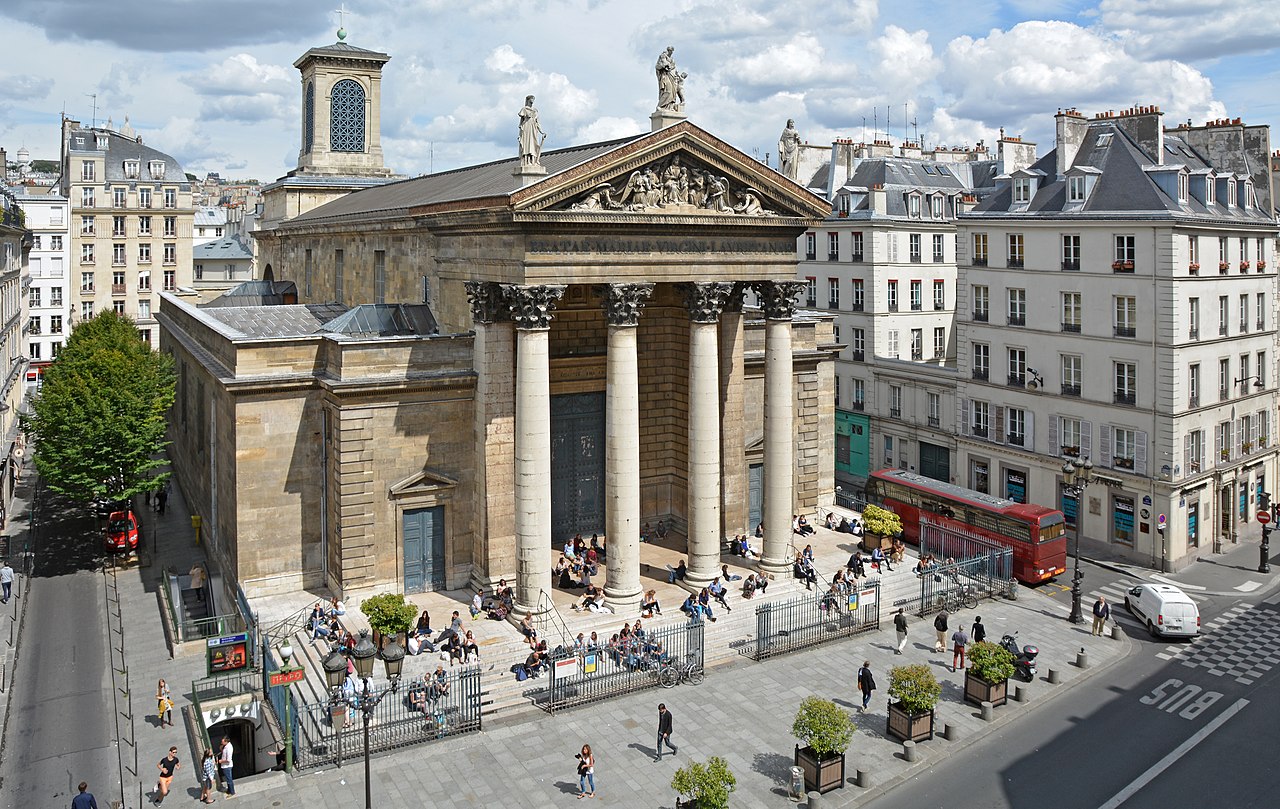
(1264, 501)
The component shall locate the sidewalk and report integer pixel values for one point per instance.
(13, 544)
(1233, 573)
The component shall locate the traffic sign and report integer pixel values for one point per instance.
(1263, 517)
(283, 677)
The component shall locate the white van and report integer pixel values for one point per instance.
(1166, 610)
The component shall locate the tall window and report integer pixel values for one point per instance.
(1017, 307)
(1224, 314)
(1072, 374)
(981, 419)
(1017, 421)
(1262, 311)
(86, 225)
(1021, 189)
(859, 344)
(347, 117)
(1071, 251)
(917, 344)
(939, 296)
(144, 253)
(1126, 376)
(859, 295)
(144, 310)
(1123, 448)
(1016, 250)
(87, 171)
(170, 198)
(1224, 379)
(1193, 253)
(937, 247)
(171, 226)
(306, 274)
(893, 343)
(1126, 309)
(833, 246)
(117, 254)
(1071, 312)
(144, 281)
(981, 302)
(1125, 252)
(144, 197)
(1262, 369)
(170, 280)
(380, 276)
(1069, 442)
(86, 254)
(118, 196)
(857, 246)
(936, 207)
(980, 249)
(981, 361)
(1017, 366)
(55, 296)
(1193, 385)
(117, 226)
(1193, 318)
(895, 401)
(86, 198)
(309, 118)
(144, 226)
(1075, 189)
(55, 324)
(939, 342)
(917, 296)
(338, 259)
(811, 291)
(33, 298)
(810, 246)
(833, 293)
(170, 253)
(1244, 312)
(891, 294)
(935, 409)
(859, 392)
(86, 282)
(913, 241)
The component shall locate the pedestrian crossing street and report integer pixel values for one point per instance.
(1243, 643)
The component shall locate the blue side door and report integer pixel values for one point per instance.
(424, 549)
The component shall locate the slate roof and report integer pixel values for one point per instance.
(342, 50)
(228, 248)
(120, 149)
(385, 320)
(1124, 187)
(900, 175)
(275, 321)
(487, 180)
(210, 216)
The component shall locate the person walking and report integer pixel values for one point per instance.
(208, 776)
(226, 762)
(940, 626)
(162, 497)
(900, 624)
(664, 731)
(866, 683)
(167, 766)
(586, 772)
(959, 640)
(979, 631)
(6, 582)
(85, 799)
(1101, 612)
(164, 704)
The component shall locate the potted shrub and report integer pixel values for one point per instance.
(707, 785)
(915, 690)
(826, 729)
(987, 678)
(389, 615)
(881, 525)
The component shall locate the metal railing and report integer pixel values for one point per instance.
(548, 619)
(580, 677)
(199, 628)
(808, 620)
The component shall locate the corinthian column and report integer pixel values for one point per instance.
(531, 308)
(778, 298)
(622, 305)
(705, 302)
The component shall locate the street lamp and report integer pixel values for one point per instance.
(1075, 477)
(335, 673)
(365, 701)
(286, 653)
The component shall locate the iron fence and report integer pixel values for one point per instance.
(976, 567)
(808, 620)
(411, 714)
(578, 677)
(853, 501)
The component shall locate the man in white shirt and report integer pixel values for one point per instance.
(225, 764)
(6, 582)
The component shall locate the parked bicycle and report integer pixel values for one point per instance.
(691, 671)
(966, 595)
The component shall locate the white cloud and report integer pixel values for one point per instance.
(24, 87)
(1191, 29)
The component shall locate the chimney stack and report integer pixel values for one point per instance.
(1071, 129)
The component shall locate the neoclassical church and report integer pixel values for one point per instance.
(446, 376)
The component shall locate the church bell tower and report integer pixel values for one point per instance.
(341, 111)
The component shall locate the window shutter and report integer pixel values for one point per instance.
(1241, 435)
(1086, 439)
(1054, 445)
(1253, 432)
(1186, 454)
(964, 417)
(1029, 441)
(1140, 454)
(1230, 441)
(1106, 445)
(997, 430)
(1219, 437)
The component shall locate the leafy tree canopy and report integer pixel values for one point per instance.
(98, 423)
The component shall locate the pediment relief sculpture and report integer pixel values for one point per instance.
(673, 185)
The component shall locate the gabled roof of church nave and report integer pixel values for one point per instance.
(676, 170)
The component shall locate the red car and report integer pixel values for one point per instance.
(122, 531)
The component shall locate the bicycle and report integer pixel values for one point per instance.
(953, 600)
(690, 671)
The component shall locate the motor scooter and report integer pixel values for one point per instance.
(1024, 659)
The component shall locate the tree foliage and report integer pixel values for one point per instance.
(98, 423)
(709, 784)
(389, 613)
(824, 726)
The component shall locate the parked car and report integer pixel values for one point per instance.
(1166, 610)
(123, 530)
(103, 507)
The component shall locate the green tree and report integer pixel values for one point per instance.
(98, 424)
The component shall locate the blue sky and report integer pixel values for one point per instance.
(213, 83)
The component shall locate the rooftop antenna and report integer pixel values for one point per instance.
(94, 96)
(864, 129)
(875, 123)
(341, 11)
(915, 124)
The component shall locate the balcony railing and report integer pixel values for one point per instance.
(937, 259)
(1071, 390)
(1071, 265)
(119, 289)
(810, 256)
(1016, 320)
(1194, 467)
(1017, 380)
(859, 356)
(981, 374)
(1069, 452)
(980, 430)
(916, 306)
(938, 306)
(1122, 463)
(1193, 401)
(833, 304)
(833, 256)
(1014, 263)
(895, 412)
(859, 405)
(917, 354)
(1193, 334)
(1222, 330)
(934, 421)
(857, 306)
(1125, 397)
(1122, 266)
(1071, 328)
(856, 257)
(980, 261)
(981, 316)
(811, 302)
(1125, 331)
(1017, 439)
(915, 258)
(893, 307)
(1224, 394)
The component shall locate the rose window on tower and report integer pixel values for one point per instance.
(346, 117)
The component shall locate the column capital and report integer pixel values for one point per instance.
(778, 298)
(736, 296)
(531, 306)
(623, 302)
(488, 303)
(706, 300)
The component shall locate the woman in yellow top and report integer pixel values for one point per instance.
(164, 704)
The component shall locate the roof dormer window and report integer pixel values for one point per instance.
(1075, 188)
(913, 205)
(1231, 193)
(844, 204)
(103, 141)
(1184, 186)
(936, 206)
(131, 168)
(1248, 200)
(156, 168)
(1210, 191)
(1022, 190)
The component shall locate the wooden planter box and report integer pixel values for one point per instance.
(821, 776)
(978, 690)
(906, 727)
(872, 541)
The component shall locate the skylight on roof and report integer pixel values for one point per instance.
(929, 169)
(1104, 139)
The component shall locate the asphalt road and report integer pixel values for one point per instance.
(61, 723)
(1153, 732)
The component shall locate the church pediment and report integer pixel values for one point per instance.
(678, 171)
(424, 482)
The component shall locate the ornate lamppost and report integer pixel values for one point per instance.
(1075, 477)
(365, 701)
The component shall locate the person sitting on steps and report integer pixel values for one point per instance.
(649, 604)
(676, 573)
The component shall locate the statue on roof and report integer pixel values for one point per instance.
(670, 82)
(531, 135)
(789, 150)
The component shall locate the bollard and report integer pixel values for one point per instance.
(1117, 632)
(1020, 694)
(815, 800)
(1082, 659)
(988, 712)
(1053, 676)
(909, 751)
(950, 732)
(862, 779)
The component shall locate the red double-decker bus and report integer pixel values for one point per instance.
(1036, 534)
